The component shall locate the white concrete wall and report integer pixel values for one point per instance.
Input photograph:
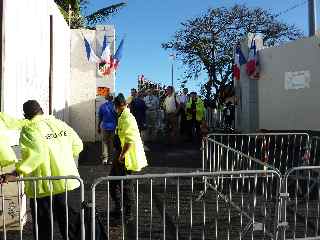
(292, 109)
(85, 80)
(61, 66)
(26, 56)
(83, 87)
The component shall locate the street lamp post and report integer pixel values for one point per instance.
(173, 56)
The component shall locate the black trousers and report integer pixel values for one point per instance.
(59, 215)
(119, 169)
(194, 124)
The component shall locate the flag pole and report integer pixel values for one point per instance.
(69, 15)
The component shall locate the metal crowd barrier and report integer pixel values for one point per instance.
(281, 151)
(214, 118)
(301, 204)
(26, 232)
(191, 206)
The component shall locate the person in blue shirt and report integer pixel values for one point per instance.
(138, 109)
(106, 127)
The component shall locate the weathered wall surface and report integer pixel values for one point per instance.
(285, 96)
(83, 87)
(26, 57)
(85, 80)
(290, 85)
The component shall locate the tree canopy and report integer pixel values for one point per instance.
(206, 43)
(74, 8)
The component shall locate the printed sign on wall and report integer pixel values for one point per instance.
(297, 80)
(103, 91)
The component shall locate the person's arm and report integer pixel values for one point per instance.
(100, 120)
(7, 155)
(11, 122)
(77, 144)
(32, 150)
(131, 134)
(125, 149)
(8, 177)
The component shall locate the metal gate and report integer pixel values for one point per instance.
(26, 232)
(301, 203)
(201, 205)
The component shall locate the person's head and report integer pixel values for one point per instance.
(155, 92)
(229, 104)
(149, 92)
(109, 97)
(193, 95)
(185, 91)
(120, 103)
(141, 94)
(170, 90)
(133, 92)
(31, 108)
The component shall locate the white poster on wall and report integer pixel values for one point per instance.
(297, 80)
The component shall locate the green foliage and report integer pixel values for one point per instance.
(103, 13)
(206, 43)
(73, 9)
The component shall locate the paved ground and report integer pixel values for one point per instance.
(162, 158)
(173, 207)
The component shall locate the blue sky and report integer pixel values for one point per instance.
(148, 23)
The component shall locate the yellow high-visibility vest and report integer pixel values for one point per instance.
(200, 110)
(48, 148)
(128, 131)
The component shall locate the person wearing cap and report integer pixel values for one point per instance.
(48, 148)
(132, 96)
(130, 157)
(195, 114)
(106, 126)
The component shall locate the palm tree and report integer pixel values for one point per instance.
(71, 10)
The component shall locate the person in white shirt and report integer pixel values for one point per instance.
(152, 103)
(171, 107)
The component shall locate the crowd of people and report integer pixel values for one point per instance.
(49, 147)
(178, 116)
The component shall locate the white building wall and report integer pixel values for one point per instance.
(61, 66)
(267, 103)
(83, 87)
(292, 109)
(85, 80)
(27, 56)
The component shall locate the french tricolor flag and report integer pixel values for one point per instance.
(117, 56)
(239, 60)
(106, 53)
(91, 56)
(252, 59)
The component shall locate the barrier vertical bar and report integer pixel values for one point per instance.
(151, 209)
(137, 209)
(191, 211)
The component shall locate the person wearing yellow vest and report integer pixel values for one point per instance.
(48, 148)
(195, 115)
(7, 155)
(130, 157)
